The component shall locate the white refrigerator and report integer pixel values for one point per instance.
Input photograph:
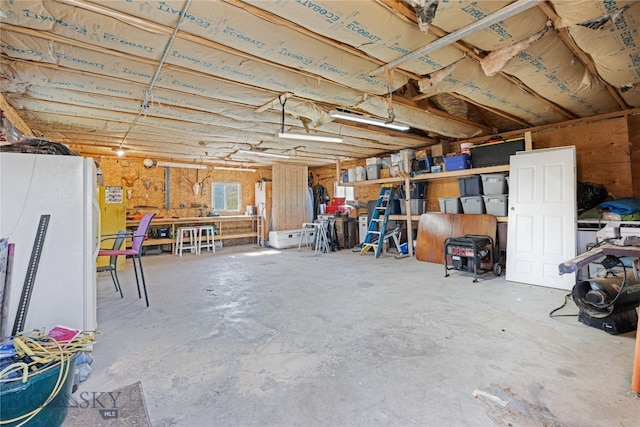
(64, 287)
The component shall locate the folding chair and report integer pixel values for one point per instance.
(113, 259)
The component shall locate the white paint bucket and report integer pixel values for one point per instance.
(465, 147)
(351, 174)
(361, 173)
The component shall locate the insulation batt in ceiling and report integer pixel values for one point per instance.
(468, 79)
(372, 29)
(543, 65)
(615, 49)
(89, 64)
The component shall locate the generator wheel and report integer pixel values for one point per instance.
(497, 269)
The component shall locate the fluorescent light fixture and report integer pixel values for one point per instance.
(309, 137)
(368, 120)
(181, 165)
(227, 168)
(262, 153)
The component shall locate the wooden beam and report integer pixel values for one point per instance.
(569, 123)
(485, 118)
(14, 117)
(493, 110)
(430, 108)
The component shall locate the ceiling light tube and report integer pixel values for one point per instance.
(309, 137)
(367, 120)
(262, 153)
(181, 165)
(228, 168)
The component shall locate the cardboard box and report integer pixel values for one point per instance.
(440, 149)
(421, 154)
(385, 173)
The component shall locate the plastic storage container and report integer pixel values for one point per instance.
(373, 171)
(494, 184)
(423, 164)
(417, 206)
(470, 186)
(373, 161)
(18, 398)
(454, 163)
(497, 204)
(495, 153)
(472, 204)
(450, 205)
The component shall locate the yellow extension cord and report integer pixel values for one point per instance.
(40, 352)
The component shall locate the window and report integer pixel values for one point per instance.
(346, 192)
(225, 196)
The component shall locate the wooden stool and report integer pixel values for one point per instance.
(207, 232)
(191, 244)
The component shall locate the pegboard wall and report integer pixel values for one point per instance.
(189, 189)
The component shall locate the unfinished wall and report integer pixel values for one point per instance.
(290, 202)
(634, 156)
(145, 187)
(602, 151)
(605, 151)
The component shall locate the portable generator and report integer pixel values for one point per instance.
(469, 253)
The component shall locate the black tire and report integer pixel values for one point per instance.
(497, 269)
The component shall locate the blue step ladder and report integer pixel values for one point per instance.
(376, 233)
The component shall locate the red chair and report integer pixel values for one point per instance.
(135, 252)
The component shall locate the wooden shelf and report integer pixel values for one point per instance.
(460, 173)
(372, 182)
(237, 235)
(417, 217)
(430, 176)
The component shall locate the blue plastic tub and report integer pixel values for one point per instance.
(459, 162)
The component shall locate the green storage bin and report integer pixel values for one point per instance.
(18, 398)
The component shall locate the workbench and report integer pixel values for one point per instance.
(229, 227)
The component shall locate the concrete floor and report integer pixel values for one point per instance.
(252, 336)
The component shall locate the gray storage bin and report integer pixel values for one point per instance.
(450, 205)
(470, 186)
(418, 206)
(496, 204)
(472, 204)
(373, 171)
(494, 184)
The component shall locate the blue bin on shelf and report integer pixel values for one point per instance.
(459, 162)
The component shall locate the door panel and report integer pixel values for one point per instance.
(542, 216)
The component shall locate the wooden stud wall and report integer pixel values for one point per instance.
(634, 155)
(290, 197)
(132, 175)
(606, 152)
(602, 151)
